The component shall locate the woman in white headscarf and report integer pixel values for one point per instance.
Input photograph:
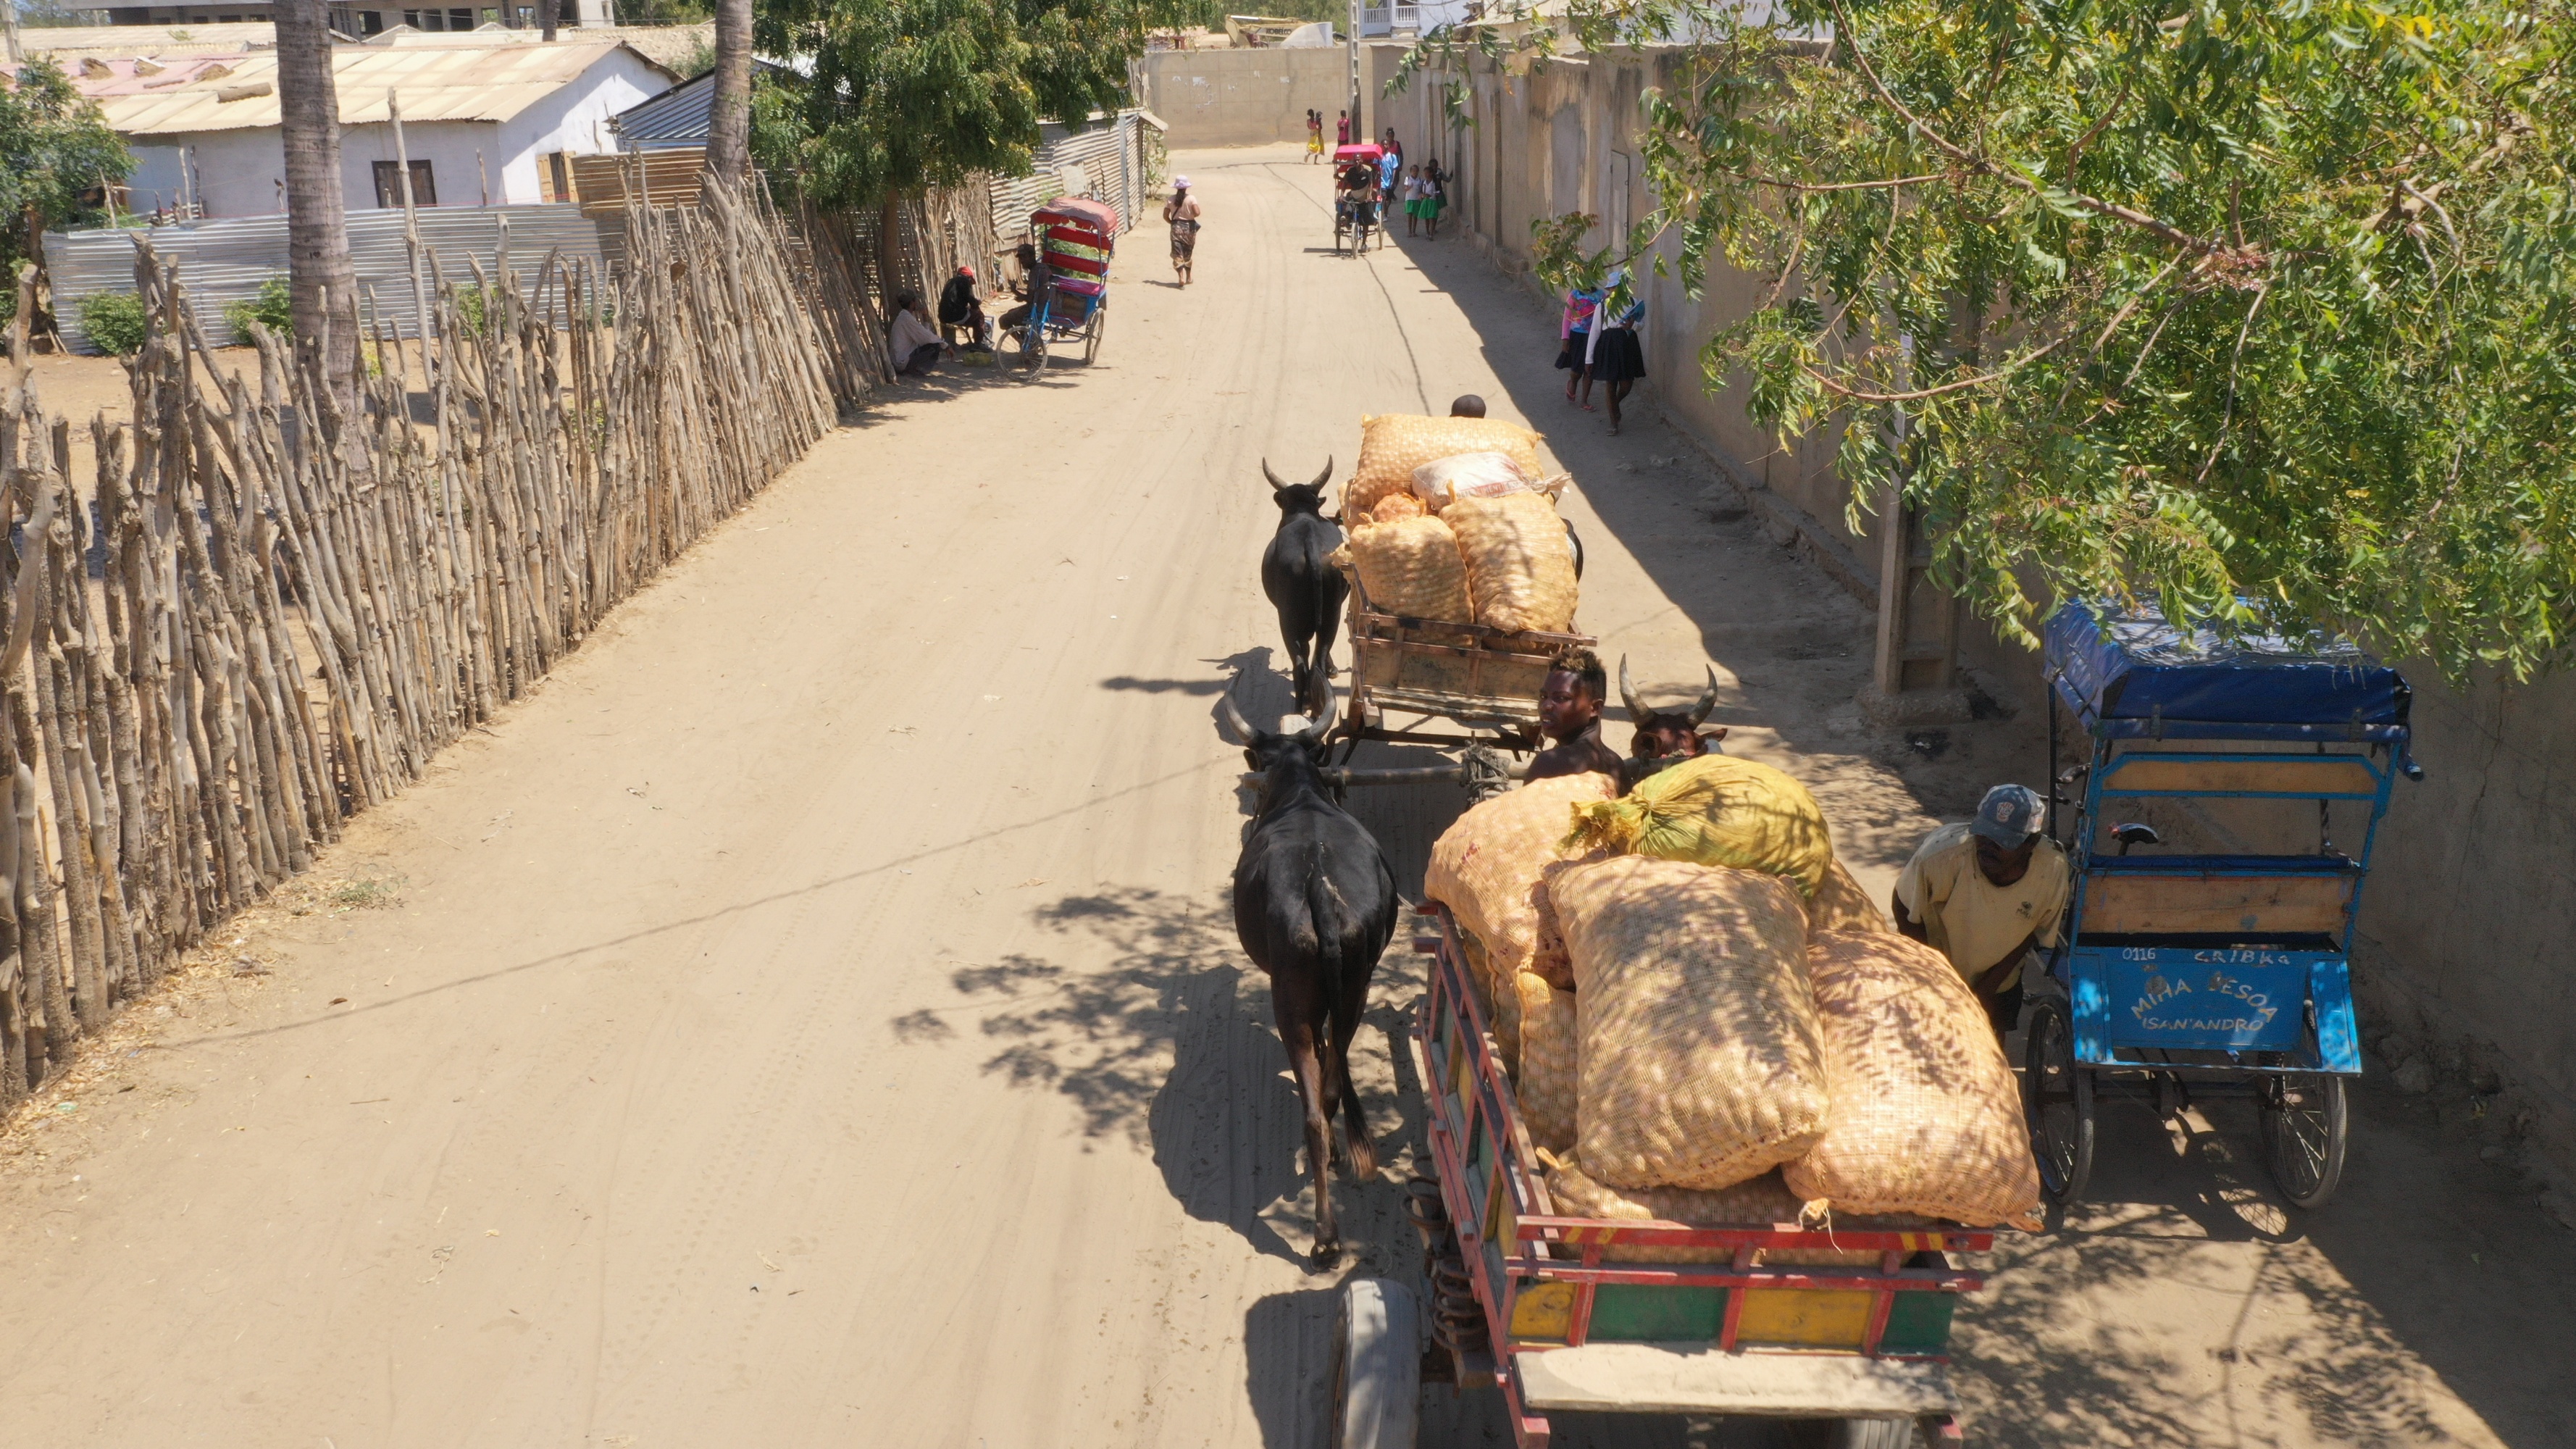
(1615, 359)
(1182, 211)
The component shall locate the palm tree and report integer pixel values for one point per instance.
(317, 218)
(729, 126)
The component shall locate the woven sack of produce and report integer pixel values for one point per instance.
(1443, 481)
(1927, 1117)
(1700, 1059)
(1410, 567)
(1763, 1201)
(1548, 959)
(1392, 445)
(1548, 1058)
(1841, 905)
(1484, 866)
(1717, 810)
(1520, 568)
(1398, 505)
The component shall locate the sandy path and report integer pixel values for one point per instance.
(813, 1018)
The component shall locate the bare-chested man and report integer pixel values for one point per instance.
(1569, 712)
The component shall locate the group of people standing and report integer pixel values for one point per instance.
(1597, 342)
(1421, 191)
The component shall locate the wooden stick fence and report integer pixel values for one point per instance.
(269, 611)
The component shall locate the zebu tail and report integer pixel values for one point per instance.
(1334, 922)
(1319, 645)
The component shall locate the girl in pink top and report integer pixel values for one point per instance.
(1574, 341)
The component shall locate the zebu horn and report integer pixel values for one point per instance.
(1637, 710)
(1276, 485)
(1237, 728)
(1324, 477)
(1707, 702)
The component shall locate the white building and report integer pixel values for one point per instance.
(484, 123)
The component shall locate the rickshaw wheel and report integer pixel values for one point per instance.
(1377, 1367)
(1091, 334)
(2057, 1098)
(1033, 350)
(2306, 1134)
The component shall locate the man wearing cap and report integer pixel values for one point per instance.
(1182, 211)
(1985, 893)
(960, 310)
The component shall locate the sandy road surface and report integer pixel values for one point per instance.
(813, 1018)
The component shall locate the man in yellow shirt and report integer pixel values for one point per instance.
(1985, 893)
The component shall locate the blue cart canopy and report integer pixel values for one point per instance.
(2129, 674)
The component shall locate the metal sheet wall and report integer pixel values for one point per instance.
(226, 261)
(1109, 160)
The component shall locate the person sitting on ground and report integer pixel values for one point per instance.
(1569, 712)
(1468, 405)
(914, 347)
(960, 310)
(1985, 893)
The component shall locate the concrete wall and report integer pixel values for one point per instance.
(2467, 951)
(1241, 97)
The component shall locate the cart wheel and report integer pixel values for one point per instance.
(2305, 1136)
(1091, 334)
(2057, 1097)
(1033, 352)
(1377, 1367)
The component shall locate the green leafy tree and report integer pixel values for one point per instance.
(61, 155)
(2260, 308)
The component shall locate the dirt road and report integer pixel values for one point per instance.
(813, 1019)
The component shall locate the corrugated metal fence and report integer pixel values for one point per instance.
(227, 261)
(1112, 161)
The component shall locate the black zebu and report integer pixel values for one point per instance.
(1314, 905)
(1306, 590)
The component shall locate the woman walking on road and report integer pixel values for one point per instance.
(1182, 211)
(1616, 358)
(1314, 137)
(1574, 341)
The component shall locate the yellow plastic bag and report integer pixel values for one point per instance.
(1717, 810)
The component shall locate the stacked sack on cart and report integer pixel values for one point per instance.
(1449, 520)
(1706, 1019)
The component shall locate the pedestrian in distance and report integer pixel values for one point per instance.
(1574, 342)
(1413, 201)
(1616, 360)
(1342, 130)
(1390, 173)
(1393, 148)
(1182, 211)
(1435, 197)
(1314, 137)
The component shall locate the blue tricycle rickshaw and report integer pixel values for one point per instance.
(1075, 238)
(2216, 973)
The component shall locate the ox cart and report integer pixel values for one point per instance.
(1847, 1329)
(2211, 973)
(1445, 684)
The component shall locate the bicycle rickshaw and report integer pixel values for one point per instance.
(2224, 970)
(1356, 220)
(1075, 238)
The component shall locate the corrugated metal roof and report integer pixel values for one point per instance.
(1106, 157)
(222, 262)
(58, 40)
(680, 116)
(437, 83)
